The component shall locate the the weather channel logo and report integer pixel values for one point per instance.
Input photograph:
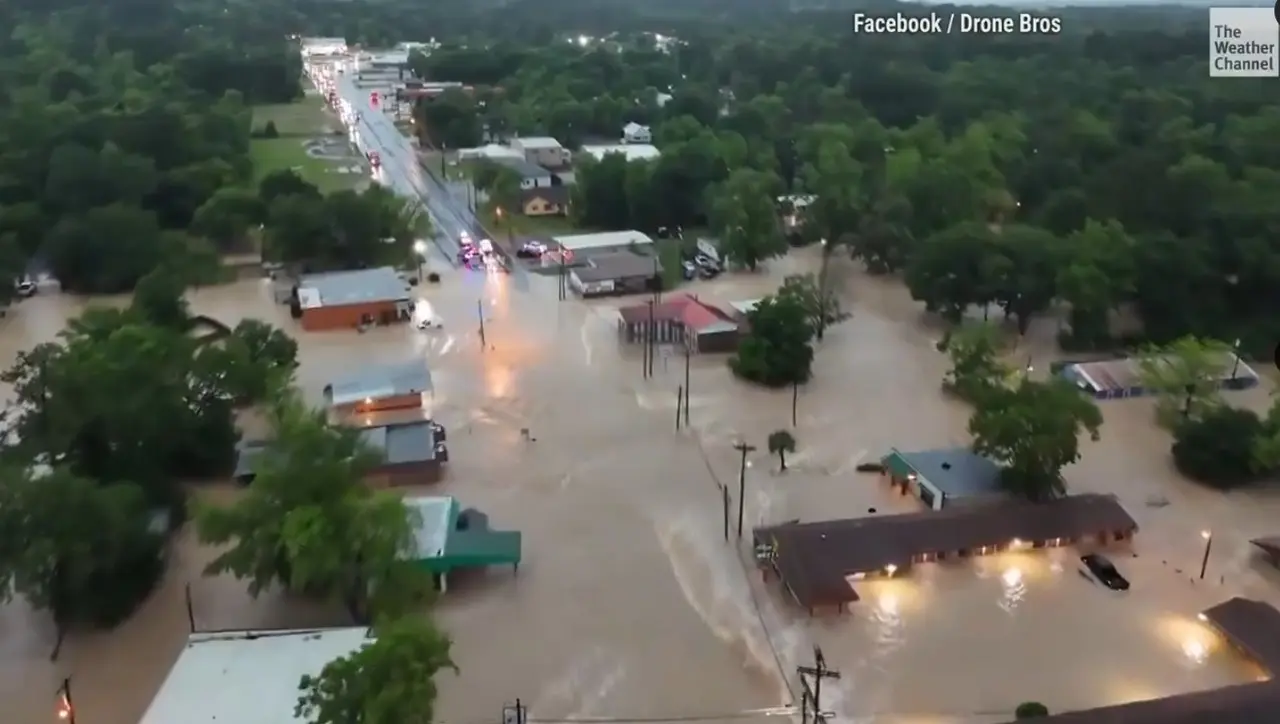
(1243, 42)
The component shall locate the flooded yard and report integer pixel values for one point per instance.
(631, 604)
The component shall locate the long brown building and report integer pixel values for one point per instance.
(815, 561)
(351, 299)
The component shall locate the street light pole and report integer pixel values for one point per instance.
(1208, 546)
(743, 448)
(822, 290)
(480, 316)
(1235, 366)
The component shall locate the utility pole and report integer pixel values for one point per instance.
(795, 401)
(812, 696)
(480, 316)
(679, 403)
(564, 282)
(743, 448)
(517, 714)
(650, 338)
(724, 496)
(687, 389)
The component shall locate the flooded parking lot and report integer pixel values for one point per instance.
(631, 604)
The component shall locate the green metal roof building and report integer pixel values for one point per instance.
(945, 476)
(449, 537)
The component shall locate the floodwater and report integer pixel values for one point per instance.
(631, 604)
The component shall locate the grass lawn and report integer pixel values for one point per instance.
(304, 117)
(527, 225)
(273, 154)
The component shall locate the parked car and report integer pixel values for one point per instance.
(707, 263)
(26, 289)
(690, 270)
(531, 250)
(1104, 571)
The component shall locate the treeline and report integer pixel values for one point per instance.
(117, 123)
(1103, 169)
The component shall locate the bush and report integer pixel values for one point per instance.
(1218, 447)
(1030, 710)
(270, 131)
(433, 277)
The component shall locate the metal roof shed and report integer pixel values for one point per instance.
(381, 381)
(361, 286)
(246, 677)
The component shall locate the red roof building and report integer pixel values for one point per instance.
(679, 319)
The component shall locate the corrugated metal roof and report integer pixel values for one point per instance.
(377, 382)
(437, 516)
(382, 284)
(262, 668)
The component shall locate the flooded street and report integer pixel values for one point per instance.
(631, 604)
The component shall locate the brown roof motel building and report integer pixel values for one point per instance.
(818, 562)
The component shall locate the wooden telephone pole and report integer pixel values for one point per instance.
(811, 695)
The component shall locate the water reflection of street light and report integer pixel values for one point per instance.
(1208, 545)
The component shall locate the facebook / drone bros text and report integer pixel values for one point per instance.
(955, 23)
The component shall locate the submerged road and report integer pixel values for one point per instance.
(401, 171)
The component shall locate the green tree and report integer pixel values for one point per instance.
(282, 183)
(158, 299)
(821, 305)
(1030, 710)
(1186, 376)
(391, 680)
(1033, 431)
(88, 554)
(956, 269)
(976, 368)
(777, 351)
(226, 218)
(781, 442)
(175, 423)
(309, 522)
(1219, 447)
(744, 220)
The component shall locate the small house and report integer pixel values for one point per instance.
(545, 201)
(636, 133)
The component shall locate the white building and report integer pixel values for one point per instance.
(246, 677)
(323, 46)
(605, 242)
(543, 151)
(636, 133)
(632, 151)
(490, 152)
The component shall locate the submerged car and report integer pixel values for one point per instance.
(1105, 572)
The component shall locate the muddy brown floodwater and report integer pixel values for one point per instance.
(631, 604)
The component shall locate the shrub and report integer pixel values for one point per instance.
(433, 277)
(270, 130)
(1030, 710)
(1217, 447)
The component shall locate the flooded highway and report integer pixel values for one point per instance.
(630, 603)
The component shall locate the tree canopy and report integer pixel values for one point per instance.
(1033, 430)
(309, 522)
(1100, 167)
(389, 681)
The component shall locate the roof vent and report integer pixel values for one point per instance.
(946, 466)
